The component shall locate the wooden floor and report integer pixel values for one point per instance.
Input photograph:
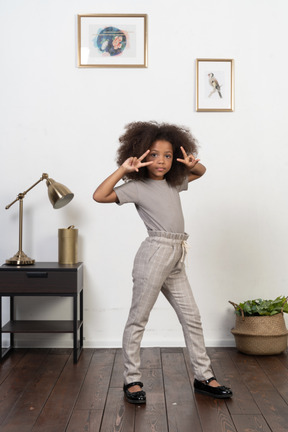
(43, 391)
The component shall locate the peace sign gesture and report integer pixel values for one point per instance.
(188, 160)
(133, 163)
(105, 192)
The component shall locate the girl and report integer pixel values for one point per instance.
(159, 162)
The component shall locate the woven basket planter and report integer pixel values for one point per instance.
(260, 335)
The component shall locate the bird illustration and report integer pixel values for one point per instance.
(214, 83)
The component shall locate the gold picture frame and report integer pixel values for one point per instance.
(214, 85)
(112, 40)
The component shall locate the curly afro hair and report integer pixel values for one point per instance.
(139, 136)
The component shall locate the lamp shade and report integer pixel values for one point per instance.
(59, 195)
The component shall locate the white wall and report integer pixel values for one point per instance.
(66, 121)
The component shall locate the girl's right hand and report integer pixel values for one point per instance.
(133, 163)
(105, 192)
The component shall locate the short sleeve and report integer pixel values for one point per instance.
(183, 186)
(127, 193)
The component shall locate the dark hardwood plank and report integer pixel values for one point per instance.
(270, 402)
(181, 408)
(283, 358)
(60, 351)
(85, 421)
(95, 387)
(152, 417)
(58, 408)
(250, 423)
(117, 372)
(17, 381)
(172, 350)
(214, 414)
(29, 405)
(43, 390)
(119, 415)
(150, 358)
(277, 374)
(228, 374)
(10, 361)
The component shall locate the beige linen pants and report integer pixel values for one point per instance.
(159, 266)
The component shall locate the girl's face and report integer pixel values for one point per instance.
(161, 154)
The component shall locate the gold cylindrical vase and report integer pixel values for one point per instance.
(68, 245)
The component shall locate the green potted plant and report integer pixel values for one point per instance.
(260, 326)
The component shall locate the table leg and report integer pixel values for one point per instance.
(1, 326)
(11, 319)
(75, 313)
(5, 351)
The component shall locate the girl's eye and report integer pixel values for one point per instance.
(155, 155)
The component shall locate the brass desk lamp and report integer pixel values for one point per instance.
(59, 196)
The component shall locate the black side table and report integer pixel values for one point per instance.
(43, 279)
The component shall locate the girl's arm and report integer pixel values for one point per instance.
(195, 169)
(196, 172)
(105, 192)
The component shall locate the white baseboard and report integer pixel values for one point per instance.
(50, 341)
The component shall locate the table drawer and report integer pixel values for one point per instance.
(39, 281)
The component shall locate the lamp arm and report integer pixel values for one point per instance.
(22, 195)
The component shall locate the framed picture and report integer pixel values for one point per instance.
(214, 85)
(112, 40)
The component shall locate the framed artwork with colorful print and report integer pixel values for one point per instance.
(106, 40)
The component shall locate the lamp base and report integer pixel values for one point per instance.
(20, 258)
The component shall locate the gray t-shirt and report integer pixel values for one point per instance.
(157, 203)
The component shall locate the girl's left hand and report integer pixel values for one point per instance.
(188, 160)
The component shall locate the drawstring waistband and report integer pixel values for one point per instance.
(176, 237)
(185, 247)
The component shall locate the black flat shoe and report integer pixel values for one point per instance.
(138, 397)
(220, 392)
